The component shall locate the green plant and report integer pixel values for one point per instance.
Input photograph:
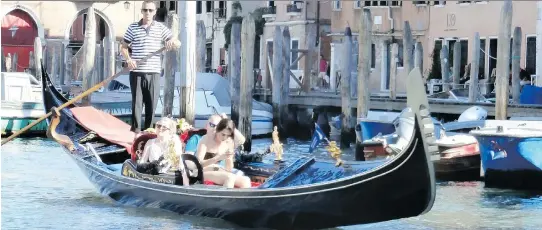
(435, 72)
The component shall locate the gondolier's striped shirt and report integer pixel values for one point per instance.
(145, 41)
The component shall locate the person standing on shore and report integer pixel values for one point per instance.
(145, 37)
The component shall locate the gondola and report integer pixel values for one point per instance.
(304, 194)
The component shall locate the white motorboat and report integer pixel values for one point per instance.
(212, 97)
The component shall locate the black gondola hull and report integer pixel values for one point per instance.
(400, 188)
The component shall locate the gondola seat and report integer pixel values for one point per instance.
(129, 169)
(139, 145)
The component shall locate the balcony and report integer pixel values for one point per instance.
(270, 13)
(293, 10)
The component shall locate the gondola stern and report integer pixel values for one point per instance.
(418, 102)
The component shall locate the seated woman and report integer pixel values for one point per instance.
(163, 153)
(218, 146)
(210, 126)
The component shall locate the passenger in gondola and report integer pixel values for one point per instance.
(163, 153)
(193, 140)
(218, 146)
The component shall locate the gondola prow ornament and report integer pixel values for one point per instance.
(335, 152)
(276, 146)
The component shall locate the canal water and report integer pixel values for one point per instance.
(43, 189)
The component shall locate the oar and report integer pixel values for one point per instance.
(89, 91)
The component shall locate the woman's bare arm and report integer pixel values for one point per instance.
(229, 159)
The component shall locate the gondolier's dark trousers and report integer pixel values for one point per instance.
(145, 89)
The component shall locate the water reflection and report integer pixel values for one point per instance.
(43, 188)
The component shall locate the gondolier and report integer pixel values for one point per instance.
(145, 37)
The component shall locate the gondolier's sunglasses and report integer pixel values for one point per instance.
(147, 10)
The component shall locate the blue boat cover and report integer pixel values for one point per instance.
(531, 94)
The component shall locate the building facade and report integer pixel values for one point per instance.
(215, 15)
(298, 16)
(61, 27)
(434, 24)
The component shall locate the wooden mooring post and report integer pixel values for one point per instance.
(14, 62)
(408, 47)
(418, 56)
(364, 71)
(89, 51)
(364, 65)
(456, 65)
(38, 51)
(187, 63)
(516, 58)
(248, 37)
(308, 78)
(346, 72)
(473, 86)
(393, 70)
(201, 42)
(278, 105)
(234, 71)
(503, 62)
(444, 69)
(286, 74)
(170, 69)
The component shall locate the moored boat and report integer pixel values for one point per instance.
(306, 194)
(459, 158)
(511, 153)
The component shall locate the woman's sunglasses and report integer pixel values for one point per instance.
(212, 125)
(162, 127)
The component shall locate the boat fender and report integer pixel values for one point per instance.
(474, 113)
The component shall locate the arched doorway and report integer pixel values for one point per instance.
(75, 35)
(18, 33)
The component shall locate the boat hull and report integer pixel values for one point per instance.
(511, 162)
(464, 168)
(370, 129)
(16, 115)
(308, 194)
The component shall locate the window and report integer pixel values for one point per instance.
(464, 2)
(357, 4)
(84, 23)
(294, 55)
(172, 6)
(420, 2)
(355, 54)
(439, 3)
(198, 7)
(438, 47)
(336, 5)
(482, 61)
(270, 3)
(208, 6)
(382, 3)
(401, 52)
(222, 9)
(530, 60)
(373, 56)
(464, 56)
